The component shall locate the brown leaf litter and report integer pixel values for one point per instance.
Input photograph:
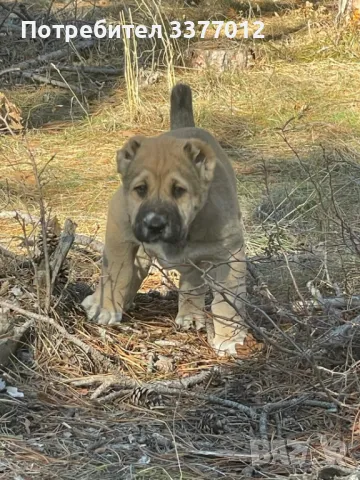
(169, 407)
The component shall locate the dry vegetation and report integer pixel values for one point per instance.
(146, 401)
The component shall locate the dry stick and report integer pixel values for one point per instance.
(56, 55)
(62, 249)
(224, 454)
(250, 411)
(71, 89)
(43, 230)
(189, 382)
(101, 389)
(121, 381)
(271, 409)
(49, 11)
(28, 219)
(50, 81)
(9, 70)
(107, 381)
(339, 301)
(90, 69)
(86, 241)
(338, 336)
(112, 380)
(6, 123)
(294, 282)
(88, 349)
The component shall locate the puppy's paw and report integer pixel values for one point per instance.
(97, 314)
(224, 346)
(188, 321)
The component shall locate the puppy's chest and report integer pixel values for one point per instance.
(168, 256)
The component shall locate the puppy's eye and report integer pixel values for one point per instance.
(141, 190)
(178, 191)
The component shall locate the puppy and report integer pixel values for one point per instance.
(177, 203)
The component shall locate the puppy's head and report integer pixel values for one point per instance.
(166, 182)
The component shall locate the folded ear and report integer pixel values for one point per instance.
(202, 156)
(127, 153)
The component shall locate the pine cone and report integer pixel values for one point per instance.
(64, 275)
(51, 241)
(146, 397)
(211, 423)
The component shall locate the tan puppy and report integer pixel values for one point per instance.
(177, 203)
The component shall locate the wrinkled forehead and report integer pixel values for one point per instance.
(161, 160)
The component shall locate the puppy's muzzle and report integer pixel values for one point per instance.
(158, 224)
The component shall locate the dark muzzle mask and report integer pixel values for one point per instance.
(158, 223)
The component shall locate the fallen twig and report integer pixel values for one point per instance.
(112, 380)
(49, 57)
(249, 411)
(107, 381)
(88, 349)
(223, 454)
(339, 336)
(171, 387)
(9, 70)
(64, 245)
(90, 69)
(28, 219)
(87, 241)
(50, 81)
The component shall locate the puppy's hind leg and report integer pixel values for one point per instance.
(229, 325)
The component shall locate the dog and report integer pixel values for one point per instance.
(177, 204)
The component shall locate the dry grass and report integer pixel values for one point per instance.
(245, 112)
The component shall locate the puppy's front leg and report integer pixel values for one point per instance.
(118, 278)
(191, 299)
(229, 326)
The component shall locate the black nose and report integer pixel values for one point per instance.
(155, 222)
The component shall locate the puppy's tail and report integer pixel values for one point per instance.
(181, 109)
